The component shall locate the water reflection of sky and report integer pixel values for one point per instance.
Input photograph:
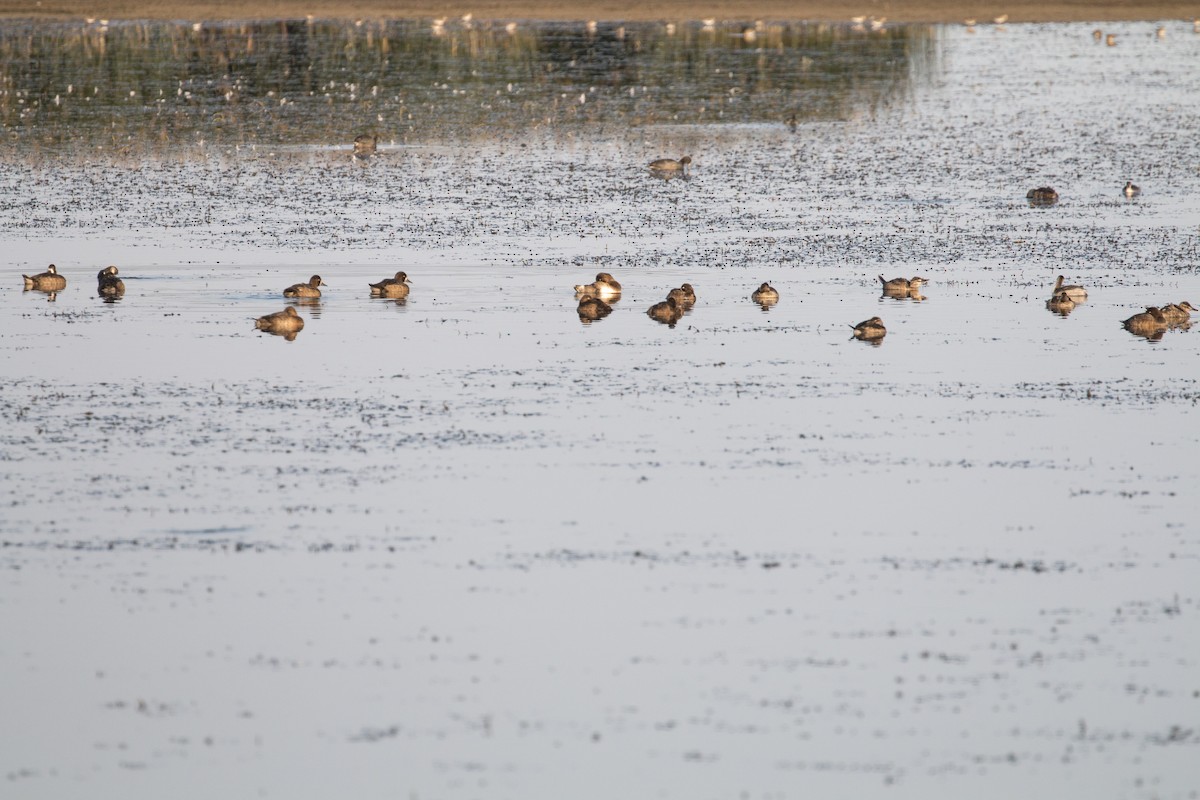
(141, 84)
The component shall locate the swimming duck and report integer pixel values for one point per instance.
(287, 321)
(593, 308)
(667, 311)
(48, 281)
(1178, 312)
(685, 296)
(870, 329)
(1077, 293)
(765, 296)
(902, 284)
(1061, 304)
(606, 287)
(1130, 190)
(670, 164)
(391, 287)
(364, 144)
(306, 289)
(1043, 195)
(108, 284)
(1152, 319)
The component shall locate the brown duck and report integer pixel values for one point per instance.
(391, 287)
(48, 281)
(305, 289)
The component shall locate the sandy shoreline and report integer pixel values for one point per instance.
(932, 11)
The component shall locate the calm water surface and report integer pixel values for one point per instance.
(466, 545)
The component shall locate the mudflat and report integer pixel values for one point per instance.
(931, 11)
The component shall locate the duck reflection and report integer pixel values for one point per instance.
(311, 304)
(670, 175)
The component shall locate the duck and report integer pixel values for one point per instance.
(48, 281)
(1061, 304)
(108, 284)
(1077, 293)
(1176, 313)
(684, 296)
(287, 321)
(1152, 319)
(1130, 190)
(605, 287)
(593, 308)
(765, 296)
(667, 311)
(870, 329)
(670, 164)
(306, 289)
(1043, 195)
(364, 144)
(902, 284)
(391, 287)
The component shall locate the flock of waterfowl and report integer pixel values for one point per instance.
(596, 298)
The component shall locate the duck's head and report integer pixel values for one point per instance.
(766, 287)
(1156, 314)
(53, 270)
(1188, 306)
(402, 277)
(316, 281)
(917, 282)
(685, 160)
(291, 311)
(604, 277)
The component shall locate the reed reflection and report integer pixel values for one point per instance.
(133, 87)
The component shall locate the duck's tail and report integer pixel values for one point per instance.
(881, 280)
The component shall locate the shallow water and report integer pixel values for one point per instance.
(468, 546)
